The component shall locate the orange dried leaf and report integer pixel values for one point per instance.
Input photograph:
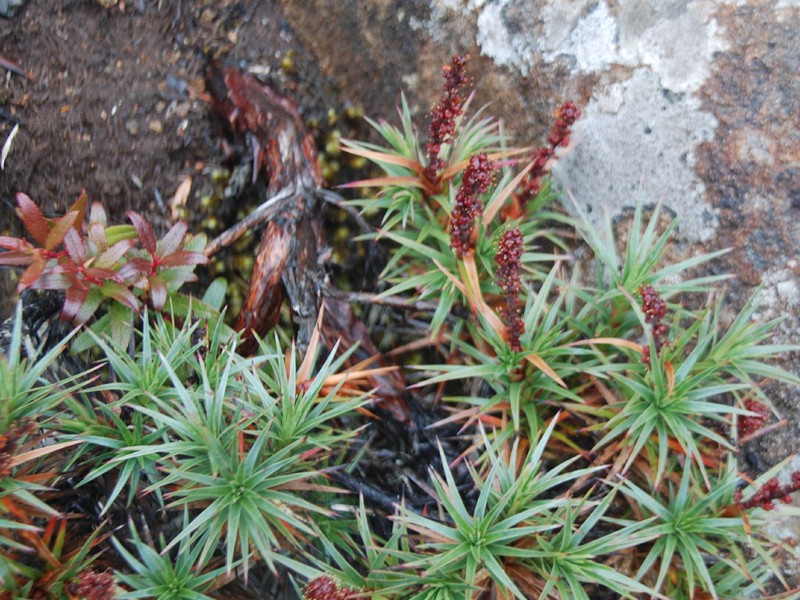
(351, 375)
(451, 277)
(79, 207)
(180, 198)
(43, 451)
(540, 364)
(376, 156)
(383, 181)
(59, 230)
(304, 372)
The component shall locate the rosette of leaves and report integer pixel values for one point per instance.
(81, 262)
(31, 461)
(95, 262)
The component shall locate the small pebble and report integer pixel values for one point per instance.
(132, 126)
(156, 126)
(182, 109)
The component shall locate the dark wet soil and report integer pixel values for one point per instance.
(117, 103)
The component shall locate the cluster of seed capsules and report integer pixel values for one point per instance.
(771, 491)
(509, 262)
(655, 310)
(443, 116)
(325, 588)
(476, 180)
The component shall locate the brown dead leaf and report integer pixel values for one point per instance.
(180, 197)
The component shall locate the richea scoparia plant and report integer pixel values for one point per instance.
(589, 422)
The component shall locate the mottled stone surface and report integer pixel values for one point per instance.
(10, 8)
(629, 132)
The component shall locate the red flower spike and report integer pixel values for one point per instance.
(771, 491)
(476, 180)
(566, 116)
(325, 588)
(443, 116)
(655, 309)
(92, 585)
(748, 425)
(508, 260)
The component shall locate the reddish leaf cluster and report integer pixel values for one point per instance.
(9, 442)
(153, 272)
(655, 309)
(476, 180)
(566, 116)
(508, 260)
(748, 425)
(325, 588)
(771, 491)
(92, 585)
(95, 262)
(443, 116)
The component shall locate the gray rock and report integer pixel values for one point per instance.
(10, 8)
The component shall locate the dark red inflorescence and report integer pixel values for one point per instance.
(508, 260)
(566, 116)
(443, 116)
(655, 310)
(325, 588)
(92, 585)
(476, 180)
(771, 491)
(748, 425)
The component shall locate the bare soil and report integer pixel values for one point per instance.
(117, 102)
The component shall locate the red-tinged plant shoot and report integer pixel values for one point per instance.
(476, 180)
(443, 116)
(163, 262)
(508, 260)
(90, 264)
